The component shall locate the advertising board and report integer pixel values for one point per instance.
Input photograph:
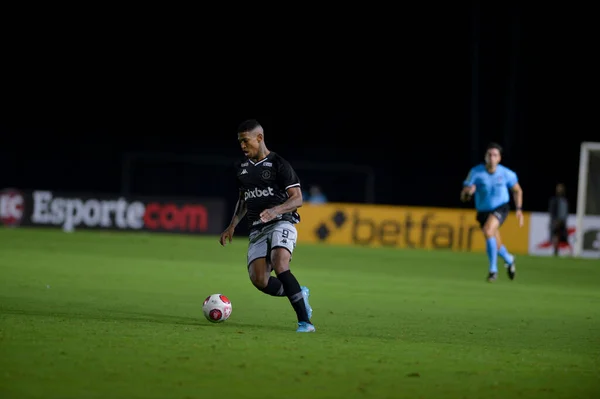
(71, 211)
(403, 227)
(540, 242)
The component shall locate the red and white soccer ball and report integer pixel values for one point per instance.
(217, 308)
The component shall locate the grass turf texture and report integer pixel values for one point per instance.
(118, 315)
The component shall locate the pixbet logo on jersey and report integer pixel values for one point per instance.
(12, 207)
(257, 193)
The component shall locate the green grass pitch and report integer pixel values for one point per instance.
(117, 315)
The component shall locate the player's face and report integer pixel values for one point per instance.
(249, 143)
(492, 157)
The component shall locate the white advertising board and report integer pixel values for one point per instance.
(539, 236)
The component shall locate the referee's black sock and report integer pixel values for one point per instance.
(294, 294)
(274, 287)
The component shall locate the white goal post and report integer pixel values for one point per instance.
(582, 190)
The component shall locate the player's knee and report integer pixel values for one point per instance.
(280, 258)
(258, 277)
(259, 281)
(489, 231)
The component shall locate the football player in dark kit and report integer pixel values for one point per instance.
(269, 196)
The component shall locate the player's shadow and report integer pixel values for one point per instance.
(162, 318)
(268, 327)
(103, 314)
(113, 315)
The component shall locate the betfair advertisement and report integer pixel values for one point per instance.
(403, 227)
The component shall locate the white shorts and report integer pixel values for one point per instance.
(281, 234)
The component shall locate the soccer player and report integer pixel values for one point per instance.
(491, 182)
(269, 195)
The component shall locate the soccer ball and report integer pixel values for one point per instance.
(217, 308)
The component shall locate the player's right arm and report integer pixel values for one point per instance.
(468, 187)
(241, 207)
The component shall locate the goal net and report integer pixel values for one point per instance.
(587, 229)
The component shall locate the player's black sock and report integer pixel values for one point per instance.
(274, 287)
(294, 294)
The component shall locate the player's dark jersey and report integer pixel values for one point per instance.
(264, 185)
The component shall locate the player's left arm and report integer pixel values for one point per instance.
(517, 196)
(517, 191)
(287, 178)
(292, 203)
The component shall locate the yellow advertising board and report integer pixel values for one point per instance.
(403, 227)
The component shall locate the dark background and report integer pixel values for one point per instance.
(416, 98)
